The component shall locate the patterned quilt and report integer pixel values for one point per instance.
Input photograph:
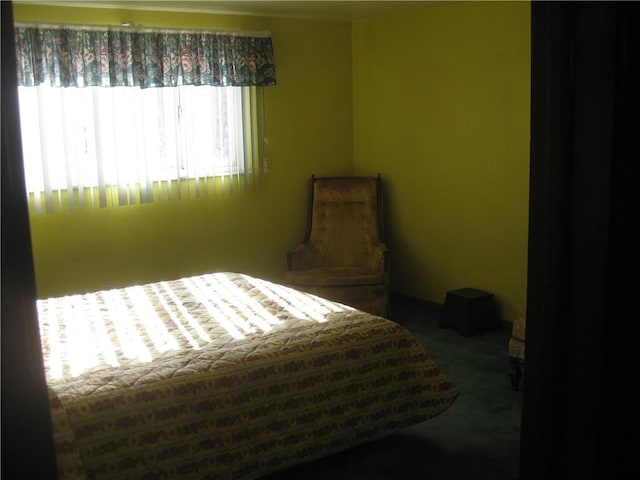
(224, 376)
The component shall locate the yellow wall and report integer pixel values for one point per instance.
(441, 109)
(309, 126)
(438, 102)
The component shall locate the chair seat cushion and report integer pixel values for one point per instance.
(516, 349)
(335, 277)
(517, 340)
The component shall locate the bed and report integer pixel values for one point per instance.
(224, 376)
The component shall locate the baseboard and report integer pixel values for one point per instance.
(401, 297)
(433, 306)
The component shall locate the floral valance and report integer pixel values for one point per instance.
(82, 56)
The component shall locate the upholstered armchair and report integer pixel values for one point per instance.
(344, 257)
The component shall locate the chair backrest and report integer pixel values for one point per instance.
(345, 220)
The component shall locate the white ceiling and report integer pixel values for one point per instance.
(311, 9)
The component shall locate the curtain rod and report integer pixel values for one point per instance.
(130, 27)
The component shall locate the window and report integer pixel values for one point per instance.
(114, 116)
(131, 139)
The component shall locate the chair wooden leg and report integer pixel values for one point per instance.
(515, 374)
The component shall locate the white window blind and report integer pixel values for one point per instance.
(96, 147)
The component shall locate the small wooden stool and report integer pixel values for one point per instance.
(469, 311)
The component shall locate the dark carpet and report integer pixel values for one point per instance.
(477, 438)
